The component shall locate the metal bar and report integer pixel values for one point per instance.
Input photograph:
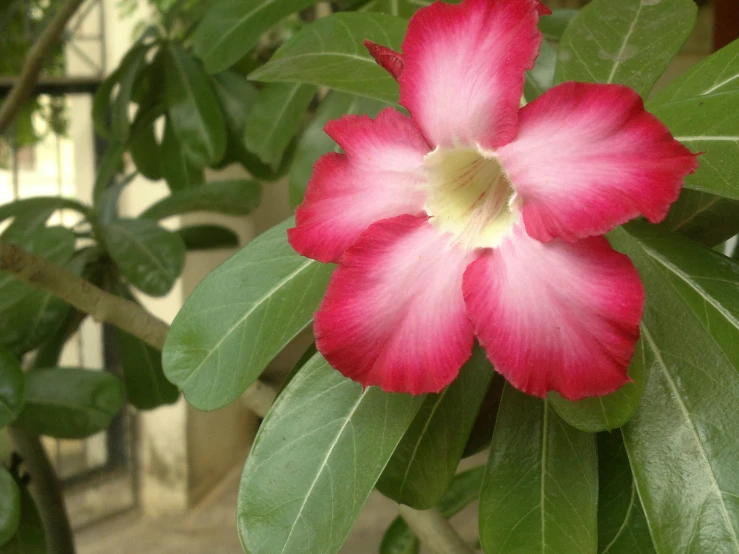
(56, 85)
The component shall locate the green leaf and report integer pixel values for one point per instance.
(702, 110)
(541, 78)
(329, 52)
(146, 385)
(240, 316)
(55, 244)
(45, 205)
(316, 458)
(35, 319)
(232, 27)
(399, 539)
(399, 8)
(110, 164)
(208, 237)
(275, 118)
(463, 489)
(630, 42)
(553, 26)
(622, 525)
(12, 390)
(681, 440)
(30, 538)
(237, 98)
(10, 506)
(143, 146)
(69, 403)
(314, 142)
(606, 412)
(226, 197)
(193, 108)
(176, 169)
(101, 104)
(427, 457)
(482, 431)
(540, 490)
(129, 71)
(703, 217)
(149, 256)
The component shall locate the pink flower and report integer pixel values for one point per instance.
(474, 218)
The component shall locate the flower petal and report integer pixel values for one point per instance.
(388, 59)
(379, 176)
(556, 316)
(394, 314)
(588, 158)
(464, 69)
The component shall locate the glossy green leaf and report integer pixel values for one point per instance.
(193, 108)
(553, 26)
(681, 442)
(10, 506)
(12, 387)
(329, 52)
(149, 256)
(240, 317)
(208, 237)
(630, 42)
(143, 145)
(608, 412)
(316, 459)
(237, 97)
(129, 69)
(69, 403)
(101, 101)
(45, 205)
(541, 78)
(622, 525)
(314, 142)
(177, 170)
(226, 197)
(232, 27)
(30, 538)
(275, 118)
(427, 457)
(146, 385)
(702, 111)
(108, 167)
(399, 539)
(55, 244)
(482, 431)
(30, 323)
(540, 491)
(703, 217)
(463, 489)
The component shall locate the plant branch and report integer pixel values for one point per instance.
(83, 295)
(34, 62)
(106, 307)
(435, 531)
(46, 491)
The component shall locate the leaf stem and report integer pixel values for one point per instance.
(46, 491)
(435, 531)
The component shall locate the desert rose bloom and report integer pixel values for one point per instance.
(477, 218)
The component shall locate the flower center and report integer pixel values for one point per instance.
(470, 197)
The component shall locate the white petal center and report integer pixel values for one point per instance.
(470, 197)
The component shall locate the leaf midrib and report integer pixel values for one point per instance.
(306, 264)
(686, 415)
